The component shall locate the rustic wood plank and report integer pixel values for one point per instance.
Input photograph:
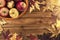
(31, 21)
(35, 31)
(13, 30)
(38, 14)
(26, 26)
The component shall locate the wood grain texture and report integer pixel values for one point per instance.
(34, 22)
(24, 21)
(37, 14)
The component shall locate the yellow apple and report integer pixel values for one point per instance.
(14, 13)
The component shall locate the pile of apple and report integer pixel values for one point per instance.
(11, 8)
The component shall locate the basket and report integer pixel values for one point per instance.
(22, 13)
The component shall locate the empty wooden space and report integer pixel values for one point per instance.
(34, 22)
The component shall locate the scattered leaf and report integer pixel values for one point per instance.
(31, 8)
(37, 5)
(1, 29)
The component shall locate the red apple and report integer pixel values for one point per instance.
(21, 6)
(18, 0)
(8, 0)
(4, 11)
(2, 3)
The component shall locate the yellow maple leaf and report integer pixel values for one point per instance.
(37, 5)
(14, 36)
(31, 8)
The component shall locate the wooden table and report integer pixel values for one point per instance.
(34, 22)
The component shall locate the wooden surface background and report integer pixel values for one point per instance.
(34, 22)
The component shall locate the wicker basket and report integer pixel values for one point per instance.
(20, 14)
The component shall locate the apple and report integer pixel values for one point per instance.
(21, 6)
(17, 0)
(4, 11)
(1, 29)
(10, 4)
(2, 3)
(14, 13)
(8, 0)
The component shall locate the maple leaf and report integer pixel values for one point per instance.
(43, 3)
(31, 8)
(2, 22)
(50, 4)
(54, 30)
(1, 29)
(14, 36)
(37, 5)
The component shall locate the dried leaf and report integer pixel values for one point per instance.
(44, 9)
(31, 8)
(59, 32)
(43, 3)
(37, 5)
(37, 2)
(14, 36)
(50, 30)
(53, 27)
(53, 31)
(2, 22)
(58, 2)
(50, 4)
(58, 23)
(53, 35)
(1, 29)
